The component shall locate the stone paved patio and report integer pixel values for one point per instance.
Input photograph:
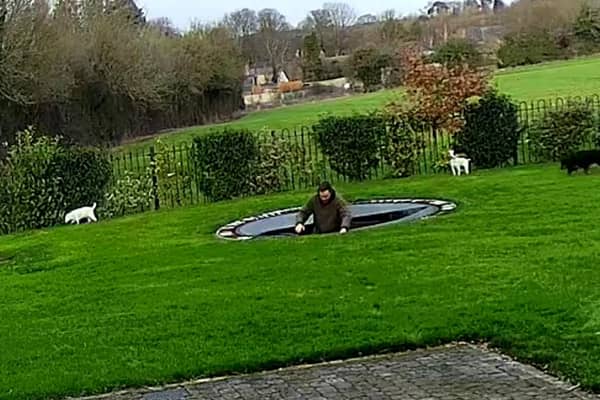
(445, 373)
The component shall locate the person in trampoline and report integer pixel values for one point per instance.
(331, 213)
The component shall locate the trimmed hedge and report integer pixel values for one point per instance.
(457, 52)
(367, 64)
(226, 163)
(84, 173)
(352, 144)
(490, 136)
(40, 181)
(530, 48)
(564, 131)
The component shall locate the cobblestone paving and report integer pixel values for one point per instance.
(445, 373)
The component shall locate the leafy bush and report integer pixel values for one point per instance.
(403, 143)
(392, 77)
(442, 162)
(227, 163)
(597, 135)
(32, 197)
(312, 65)
(457, 52)
(491, 133)
(6, 220)
(127, 195)
(367, 65)
(438, 94)
(84, 174)
(563, 131)
(530, 48)
(351, 143)
(272, 172)
(586, 29)
(333, 69)
(42, 180)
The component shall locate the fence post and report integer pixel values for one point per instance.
(154, 179)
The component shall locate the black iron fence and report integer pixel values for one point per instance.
(532, 111)
(173, 175)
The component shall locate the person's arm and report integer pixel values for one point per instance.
(305, 212)
(345, 214)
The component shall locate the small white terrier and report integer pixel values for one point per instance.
(81, 213)
(458, 163)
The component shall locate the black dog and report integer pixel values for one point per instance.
(580, 159)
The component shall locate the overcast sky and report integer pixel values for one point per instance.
(182, 12)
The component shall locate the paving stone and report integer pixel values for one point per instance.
(460, 372)
(176, 394)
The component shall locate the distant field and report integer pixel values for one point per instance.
(579, 77)
(563, 78)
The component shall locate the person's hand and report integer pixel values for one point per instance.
(343, 230)
(300, 228)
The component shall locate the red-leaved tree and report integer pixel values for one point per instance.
(438, 93)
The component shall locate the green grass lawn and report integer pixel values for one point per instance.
(579, 77)
(156, 297)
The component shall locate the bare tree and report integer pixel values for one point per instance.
(242, 22)
(76, 70)
(321, 23)
(3, 15)
(548, 15)
(272, 24)
(342, 17)
(21, 33)
(391, 29)
(67, 9)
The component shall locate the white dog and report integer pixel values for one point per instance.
(458, 163)
(81, 213)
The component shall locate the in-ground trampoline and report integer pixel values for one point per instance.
(365, 215)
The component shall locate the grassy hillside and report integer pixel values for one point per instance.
(578, 77)
(156, 297)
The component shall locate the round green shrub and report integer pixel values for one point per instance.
(226, 163)
(352, 143)
(563, 131)
(84, 174)
(530, 48)
(457, 52)
(490, 136)
(42, 180)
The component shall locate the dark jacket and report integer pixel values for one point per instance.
(330, 217)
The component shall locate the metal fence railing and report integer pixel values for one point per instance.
(173, 173)
(532, 111)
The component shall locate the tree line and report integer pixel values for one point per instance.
(95, 72)
(266, 38)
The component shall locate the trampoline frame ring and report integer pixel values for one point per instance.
(228, 232)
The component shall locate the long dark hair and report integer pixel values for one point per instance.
(326, 186)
